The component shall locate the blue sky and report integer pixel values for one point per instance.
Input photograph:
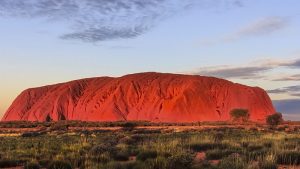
(250, 42)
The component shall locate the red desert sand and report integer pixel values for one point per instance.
(156, 97)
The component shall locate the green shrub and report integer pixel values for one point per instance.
(60, 165)
(144, 155)
(32, 165)
(240, 115)
(274, 119)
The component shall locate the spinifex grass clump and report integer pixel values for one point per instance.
(233, 162)
(288, 157)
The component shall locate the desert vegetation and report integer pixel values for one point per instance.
(274, 119)
(58, 146)
(241, 115)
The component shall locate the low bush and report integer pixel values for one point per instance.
(274, 119)
(240, 115)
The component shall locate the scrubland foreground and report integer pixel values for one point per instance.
(141, 145)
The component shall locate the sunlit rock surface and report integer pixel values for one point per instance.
(156, 97)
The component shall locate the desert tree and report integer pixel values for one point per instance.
(274, 119)
(240, 115)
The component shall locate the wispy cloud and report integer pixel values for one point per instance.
(289, 78)
(255, 70)
(233, 72)
(291, 90)
(261, 27)
(293, 64)
(101, 20)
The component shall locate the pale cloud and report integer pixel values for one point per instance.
(233, 72)
(254, 70)
(291, 90)
(259, 28)
(295, 77)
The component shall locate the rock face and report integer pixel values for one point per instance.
(154, 97)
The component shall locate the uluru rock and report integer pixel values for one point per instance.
(154, 97)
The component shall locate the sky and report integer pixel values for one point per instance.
(252, 42)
